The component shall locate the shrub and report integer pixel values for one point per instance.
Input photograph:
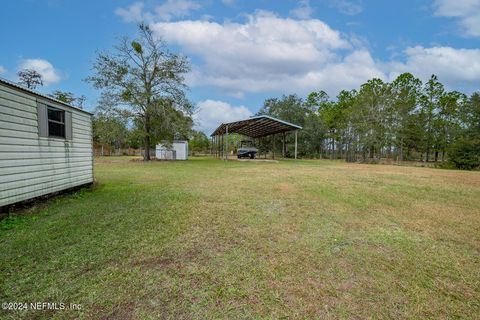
(465, 153)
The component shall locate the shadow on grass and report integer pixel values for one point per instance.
(18, 214)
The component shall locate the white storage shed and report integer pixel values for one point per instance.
(177, 150)
(45, 145)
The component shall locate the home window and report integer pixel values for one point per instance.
(56, 123)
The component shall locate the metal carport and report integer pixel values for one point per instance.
(254, 127)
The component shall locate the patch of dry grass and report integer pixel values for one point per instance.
(209, 239)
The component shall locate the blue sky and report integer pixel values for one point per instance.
(243, 52)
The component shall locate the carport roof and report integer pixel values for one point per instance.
(256, 127)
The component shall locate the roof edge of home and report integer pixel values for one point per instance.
(41, 95)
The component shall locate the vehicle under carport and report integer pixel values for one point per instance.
(254, 128)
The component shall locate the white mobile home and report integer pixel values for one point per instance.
(45, 145)
(177, 150)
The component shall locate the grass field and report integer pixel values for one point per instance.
(207, 239)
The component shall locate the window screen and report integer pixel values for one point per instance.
(56, 123)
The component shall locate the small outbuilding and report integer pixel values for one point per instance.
(45, 145)
(176, 150)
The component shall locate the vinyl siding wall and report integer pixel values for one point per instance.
(30, 165)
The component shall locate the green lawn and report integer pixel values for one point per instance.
(207, 239)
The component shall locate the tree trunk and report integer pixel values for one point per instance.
(348, 152)
(400, 158)
(333, 149)
(146, 141)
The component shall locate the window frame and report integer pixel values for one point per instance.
(64, 124)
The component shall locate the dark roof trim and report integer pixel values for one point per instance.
(256, 127)
(38, 94)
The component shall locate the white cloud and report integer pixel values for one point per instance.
(176, 8)
(467, 11)
(134, 13)
(228, 2)
(454, 67)
(350, 8)
(303, 11)
(165, 12)
(49, 73)
(264, 53)
(211, 113)
(2, 69)
(349, 73)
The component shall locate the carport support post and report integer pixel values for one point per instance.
(296, 144)
(273, 147)
(226, 142)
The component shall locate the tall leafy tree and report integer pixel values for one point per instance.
(313, 135)
(345, 102)
(464, 151)
(405, 93)
(143, 77)
(335, 116)
(429, 107)
(289, 108)
(327, 114)
(447, 120)
(369, 116)
(316, 130)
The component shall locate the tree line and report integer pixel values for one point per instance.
(143, 101)
(119, 132)
(400, 120)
